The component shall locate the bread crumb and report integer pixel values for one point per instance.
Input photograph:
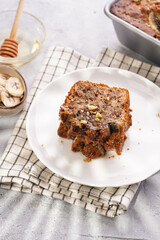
(87, 160)
(158, 114)
(128, 149)
(42, 145)
(139, 129)
(112, 156)
(61, 141)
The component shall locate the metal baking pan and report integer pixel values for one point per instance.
(134, 38)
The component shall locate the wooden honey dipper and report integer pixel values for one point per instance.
(9, 47)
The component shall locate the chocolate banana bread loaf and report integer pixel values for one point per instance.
(142, 14)
(96, 117)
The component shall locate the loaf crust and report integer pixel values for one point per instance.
(142, 14)
(96, 117)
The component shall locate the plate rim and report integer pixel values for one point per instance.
(141, 78)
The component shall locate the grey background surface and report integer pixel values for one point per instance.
(83, 26)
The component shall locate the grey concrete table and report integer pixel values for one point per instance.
(83, 26)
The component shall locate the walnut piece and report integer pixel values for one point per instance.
(91, 107)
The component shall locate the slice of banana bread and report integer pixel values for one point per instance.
(96, 117)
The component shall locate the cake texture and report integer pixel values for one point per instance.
(96, 117)
(142, 14)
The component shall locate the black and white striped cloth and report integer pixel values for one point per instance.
(20, 169)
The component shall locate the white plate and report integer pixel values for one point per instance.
(141, 153)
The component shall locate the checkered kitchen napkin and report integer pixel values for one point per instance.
(20, 169)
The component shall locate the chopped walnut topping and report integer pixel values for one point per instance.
(87, 118)
(83, 121)
(114, 103)
(87, 113)
(93, 112)
(91, 107)
(98, 115)
(65, 108)
(148, 24)
(97, 119)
